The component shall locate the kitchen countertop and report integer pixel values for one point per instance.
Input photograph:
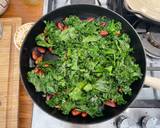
(28, 13)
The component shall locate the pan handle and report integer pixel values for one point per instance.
(152, 82)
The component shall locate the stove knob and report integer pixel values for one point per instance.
(125, 122)
(150, 122)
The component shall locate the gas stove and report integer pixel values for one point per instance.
(144, 112)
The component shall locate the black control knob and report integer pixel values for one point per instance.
(150, 122)
(126, 122)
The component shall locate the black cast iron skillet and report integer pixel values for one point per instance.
(83, 11)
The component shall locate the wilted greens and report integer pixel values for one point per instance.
(91, 68)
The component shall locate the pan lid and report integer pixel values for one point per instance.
(149, 9)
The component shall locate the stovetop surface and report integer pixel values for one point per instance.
(145, 29)
(148, 100)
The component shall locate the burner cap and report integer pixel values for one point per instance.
(154, 39)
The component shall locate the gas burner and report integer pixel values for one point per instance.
(151, 47)
(150, 36)
(151, 43)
